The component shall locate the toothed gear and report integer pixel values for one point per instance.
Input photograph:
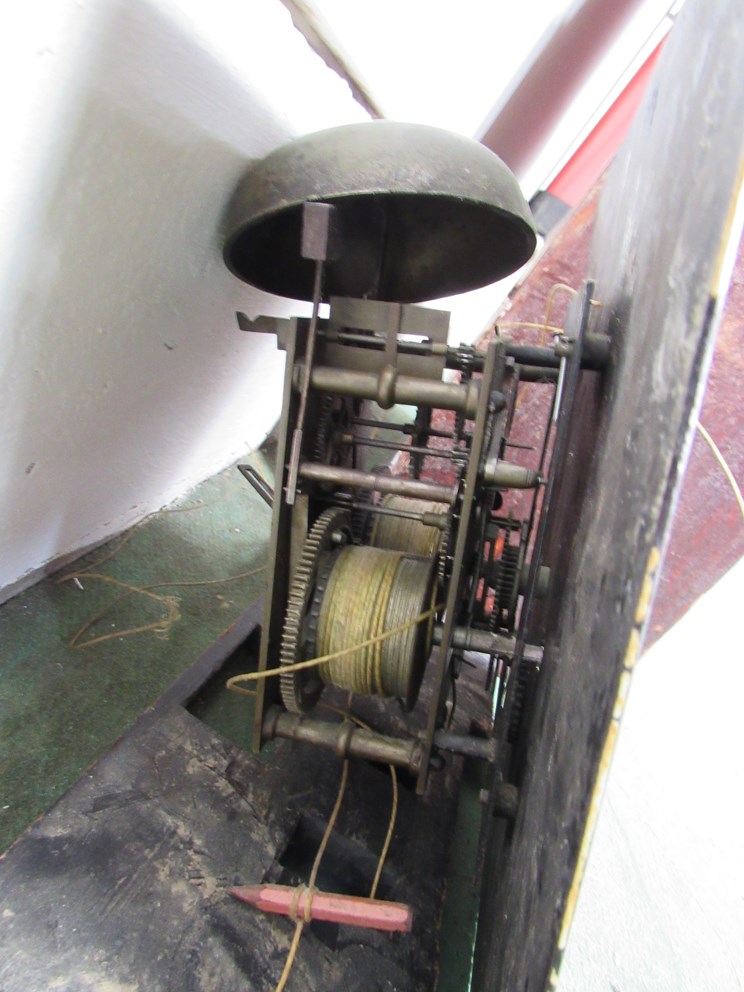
(506, 588)
(523, 689)
(361, 518)
(323, 429)
(335, 416)
(301, 690)
(443, 554)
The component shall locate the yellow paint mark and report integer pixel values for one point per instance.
(647, 589)
(727, 233)
(589, 827)
(622, 696)
(603, 768)
(634, 648)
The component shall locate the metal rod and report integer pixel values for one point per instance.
(455, 358)
(345, 739)
(547, 435)
(516, 371)
(537, 374)
(560, 447)
(505, 475)
(363, 442)
(403, 428)
(314, 244)
(559, 390)
(595, 352)
(487, 642)
(294, 456)
(531, 354)
(388, 388)
(521, 447)
(375, 341)
(401, 485)
(439, 520)
(258, 482)
(485, 748)
(460, 562)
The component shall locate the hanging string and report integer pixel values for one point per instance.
(355, 604)
(299, 666)
(724, 465)
(161, 627)
(310, 888)
(68, 576)
(546, 327)
(300, 923)
(555, 288)
(394, 808)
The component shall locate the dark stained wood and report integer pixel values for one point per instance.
(124, 884)
(664, 212)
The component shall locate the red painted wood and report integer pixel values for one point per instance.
(707, 535)
(589, 161)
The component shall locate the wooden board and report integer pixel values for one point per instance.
(123, 884)
(666, 214)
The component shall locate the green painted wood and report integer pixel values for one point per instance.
(60, 708)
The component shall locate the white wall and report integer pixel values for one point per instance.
(438, 62)
(126, 124)
(124, 378)
(451, 65)
(661, 908)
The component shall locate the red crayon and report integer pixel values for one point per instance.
(353, 910)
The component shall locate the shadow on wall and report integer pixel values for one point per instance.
(127, 378)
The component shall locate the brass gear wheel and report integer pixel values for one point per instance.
(405, 534)
(330, 533)
(335, 418)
